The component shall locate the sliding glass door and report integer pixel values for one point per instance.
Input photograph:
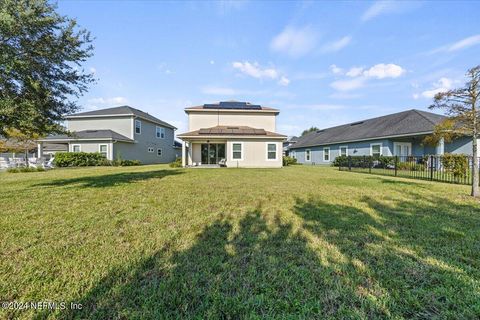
(212, 153)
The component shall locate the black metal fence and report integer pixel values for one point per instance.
(451, 168)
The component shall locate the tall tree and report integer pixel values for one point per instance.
(462, 109)
(41, 53)
(19, 142)
(311, 129)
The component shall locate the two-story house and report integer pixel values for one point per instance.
(118, 133)
(237, 134)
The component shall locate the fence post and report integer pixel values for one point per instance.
(370, 164)
(349, 163)
(396, 165)
(431, 167)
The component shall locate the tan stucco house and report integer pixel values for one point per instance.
(234, 134)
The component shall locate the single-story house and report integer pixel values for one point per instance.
(398, 134)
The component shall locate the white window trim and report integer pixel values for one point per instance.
(100, 149)
(310, 153)
(326, 148)
(395, 144)
(162, 131)
(76, 145)
(161, 151)
(340, 150)
(376, 144)
(135, 126)
(242, 151)
(276, 151)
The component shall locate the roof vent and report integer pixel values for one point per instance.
(91, 130)
(356, 123)
(320, 131)
(233, 128)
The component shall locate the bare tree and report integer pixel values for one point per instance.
(461, 107)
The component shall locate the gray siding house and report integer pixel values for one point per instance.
(398, 134)
(118, 133)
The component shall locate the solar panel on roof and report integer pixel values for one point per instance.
(233, 105)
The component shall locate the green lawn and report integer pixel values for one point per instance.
(298, 242)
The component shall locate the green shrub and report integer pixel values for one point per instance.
(127, 163)
(457, 164)
(340, 161)
(79, 159)
(386, 162)
(289, 161)
(176, 164)
(25, 169)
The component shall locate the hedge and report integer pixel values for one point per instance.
(86, 159)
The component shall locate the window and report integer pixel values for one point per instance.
(402, 149)
(376, 150)
(103, 149)
(343, 151)
(326, 154)
(237, 152)
(150, 149)
(160, 132)
(138, 127)
(293, 154)
(307, 155)
(271, 151)
(159, 152)
(76, 148)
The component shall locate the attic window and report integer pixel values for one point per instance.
(356, 123)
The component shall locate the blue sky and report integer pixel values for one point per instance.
(320, 63)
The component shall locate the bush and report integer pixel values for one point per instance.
(25, 169)
(457, 164)
(79, 159)
(289, 161)
(340, 161)
(386, 162)
(176, 164)
(85, 159)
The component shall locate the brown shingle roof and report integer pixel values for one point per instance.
(231, 131)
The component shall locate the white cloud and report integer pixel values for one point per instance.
(459, 45)
(108, 101)
(335, 69)
(347, 85)
(284, 81)
(295, 42)
(383, 7)
(354, 72)
(256, 71)
(361, 75)
(337, 45)
(382, 70)
(219, 91)
(442, 85)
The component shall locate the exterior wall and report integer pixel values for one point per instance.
(122, 125)
(92, 146)
(254, 153)
(362, 148)
(203, 119)
(460, 146)
(147, 139)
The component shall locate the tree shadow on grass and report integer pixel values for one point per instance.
(419, 258)
(108, 180)
(256, 269)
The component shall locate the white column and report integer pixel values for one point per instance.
(183, 153)
(40, 150)
(190, 152)
(440, 149)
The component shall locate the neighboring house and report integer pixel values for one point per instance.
(237, 134)
(400, 134)
(287, 144)
(118, 133)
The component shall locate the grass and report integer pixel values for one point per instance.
(299, 242)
